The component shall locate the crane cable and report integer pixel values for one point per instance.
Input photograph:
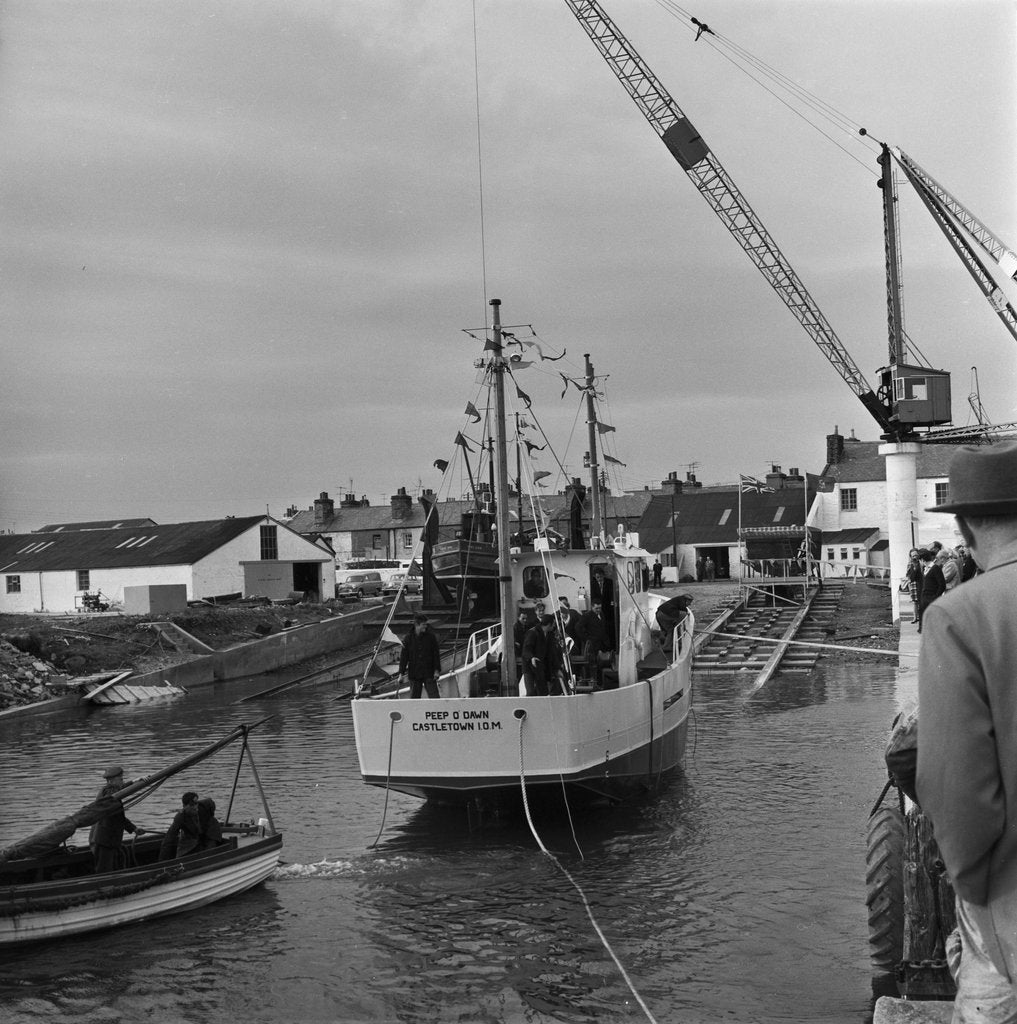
(738, 54)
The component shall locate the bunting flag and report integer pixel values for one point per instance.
(750, 483)
(574, 383)
(389, 637)
(617, 462)
(471, 410)
(605, 428)
(524, 396)
(540, 474)
(461, 441)
(441, 465)
(531, 447)
(513, 514)
(618, 492)
(518, 363)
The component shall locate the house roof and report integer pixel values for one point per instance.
(707, 516)
(862, 463)
(99, 524)
(116, 548)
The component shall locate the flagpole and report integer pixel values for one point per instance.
(741, 564)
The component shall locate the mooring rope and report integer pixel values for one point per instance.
(394, 716)
(521, 716)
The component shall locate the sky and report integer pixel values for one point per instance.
(243, 244)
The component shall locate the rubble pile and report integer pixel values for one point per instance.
(24, 679)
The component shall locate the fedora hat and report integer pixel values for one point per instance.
(983, 481)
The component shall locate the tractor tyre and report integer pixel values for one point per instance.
(884, 887)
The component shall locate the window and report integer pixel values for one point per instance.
(376, 541)
(13, 584)
(407, 540)
(856, 553)
(942, 493)
(269, 543)
(829, 554)
(849, 499)
(535, 581)
(84, 579)
(843, 554)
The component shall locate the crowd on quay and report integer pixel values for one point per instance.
(934, 570)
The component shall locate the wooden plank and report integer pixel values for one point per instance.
(92, 694)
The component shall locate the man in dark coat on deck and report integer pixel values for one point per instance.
(540, 657)
(421, 659)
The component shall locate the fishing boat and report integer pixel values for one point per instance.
(50, 889)
(616, 728)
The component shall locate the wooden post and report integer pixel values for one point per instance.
(929, 914)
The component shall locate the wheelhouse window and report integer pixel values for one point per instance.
(849, 499)
(84, 579)
(13, 584)
(535, 582)
(269, 543)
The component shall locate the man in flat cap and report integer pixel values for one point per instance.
(106, 838)
(967, 750)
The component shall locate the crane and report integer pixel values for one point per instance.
(712, 181)
(951, 216)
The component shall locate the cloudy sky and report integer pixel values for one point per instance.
(241, 241)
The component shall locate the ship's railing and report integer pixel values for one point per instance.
(479, 645)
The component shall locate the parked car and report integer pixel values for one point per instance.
(402, 581)
(358, 585)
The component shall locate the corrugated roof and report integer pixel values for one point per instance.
(100, 524)
(171, 544)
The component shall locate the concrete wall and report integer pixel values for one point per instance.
(57, 591)
(155, 600)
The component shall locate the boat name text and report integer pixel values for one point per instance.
(457, 721)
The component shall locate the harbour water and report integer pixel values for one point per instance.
(736, 894)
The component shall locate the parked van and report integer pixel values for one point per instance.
(359, 585)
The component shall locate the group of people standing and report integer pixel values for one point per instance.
(934, 570)
(541, 640)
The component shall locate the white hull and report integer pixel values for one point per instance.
(200, 880)
(460, 747)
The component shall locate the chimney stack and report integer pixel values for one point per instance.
(672, 485)
(402, 504)
(324, 509)
(834, 447)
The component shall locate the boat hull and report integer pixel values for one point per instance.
(462, 559)
(74, 906)
(604, 743)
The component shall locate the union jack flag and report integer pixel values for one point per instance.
(750, 483)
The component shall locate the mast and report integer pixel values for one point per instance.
(501, 505)
(894, 310)
(591, 423)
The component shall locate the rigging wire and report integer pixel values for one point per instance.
(809, 99)
(480, 162)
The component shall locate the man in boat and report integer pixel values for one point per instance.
(420, 660)
(209, 826)
(967, 749)
(184, 834)
(106, 837)
(595, 641)
(541, 656)
(569, 619)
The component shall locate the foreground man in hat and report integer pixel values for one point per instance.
(107, 835)
(967, 750)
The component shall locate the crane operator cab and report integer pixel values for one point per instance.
(915, 396)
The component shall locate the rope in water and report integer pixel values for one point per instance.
(521, 715)
(394, 716)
